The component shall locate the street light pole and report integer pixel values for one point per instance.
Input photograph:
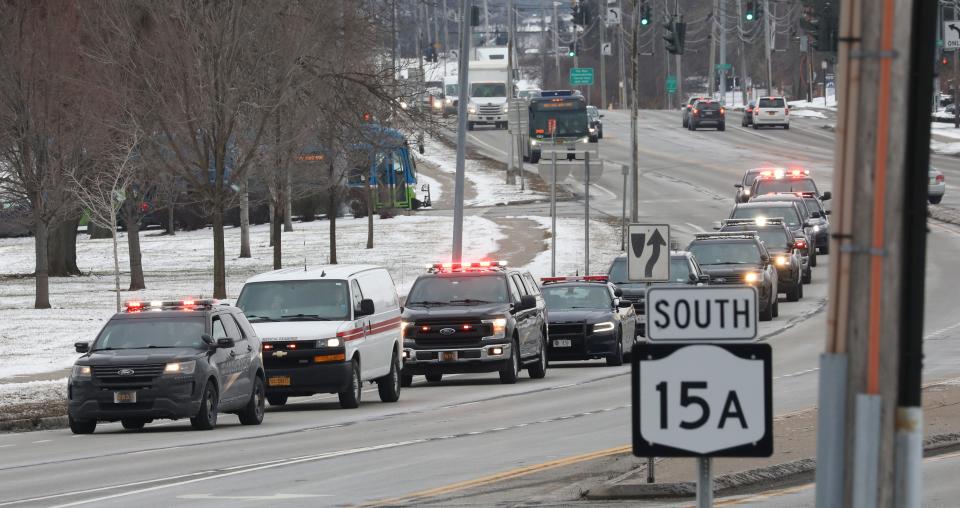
(462, 71)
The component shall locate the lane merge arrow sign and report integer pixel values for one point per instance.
(648, 258)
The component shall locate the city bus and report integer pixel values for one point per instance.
(555, 117)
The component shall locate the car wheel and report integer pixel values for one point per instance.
(592, 139)
(600, 133)
(786, 127)
(616, 358)
(406, 380)
(434, 377)
(469, 126)
(776, 307)
(539, 370)
(755, 126)
(826, 248)
(807, 276)
(722, 127)
(389, 386)
(350, 398)
(277, 400)
(693, 126)
(82, 426)
(252, 413)
(133, 423)
(534, 158)
(934, 200)
(813, 258)
(795, 292)
(508, 373)
(766, 314)
(684, 122)
(206, 418)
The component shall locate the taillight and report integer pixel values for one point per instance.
(800, 244)
(723, 111)
(939, 178)
(786, 111)
(696, 111)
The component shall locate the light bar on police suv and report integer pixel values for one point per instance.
(575, 278)
(157, 305)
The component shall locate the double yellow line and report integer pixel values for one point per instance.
(494, 478)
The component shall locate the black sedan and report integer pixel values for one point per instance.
(587, 320)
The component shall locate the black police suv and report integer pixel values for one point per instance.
(792, 217)
(742, 259)
(789, 180)
(588, 319)
(180, 359)
(474, 317)
(684, 270)
(746, 183)
(781, 245)
(815, 222)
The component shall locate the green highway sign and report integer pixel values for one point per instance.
(671, 84)
(581, 76)
(724, 67)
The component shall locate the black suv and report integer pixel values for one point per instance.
(790, 212)
(746, 183)
(180, 359)
(474, 317)
(790, 180)
(707, 113)
(588, 319)
(782, 248)
(684, 270)
(739, 258)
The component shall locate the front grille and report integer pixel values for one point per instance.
(489, 110)
(638, 302)
(566, 329)
(142, 374)
(432, 338)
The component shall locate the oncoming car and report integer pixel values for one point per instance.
(588, 319)
(740, 259)
(172, 359)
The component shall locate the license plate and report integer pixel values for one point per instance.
(448, 356)
(771, 112)
(279, 381)
(562, 343)
(124, 397)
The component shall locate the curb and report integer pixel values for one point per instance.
(790, 472)
(31, 424)
(944, 214)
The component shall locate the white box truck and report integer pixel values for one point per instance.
(487, 94)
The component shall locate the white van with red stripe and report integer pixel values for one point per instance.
(326, 329)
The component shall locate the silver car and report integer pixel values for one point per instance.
(937, 186)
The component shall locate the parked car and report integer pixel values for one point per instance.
(937, 186)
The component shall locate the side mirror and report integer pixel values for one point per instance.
(601, 116)
(82, 347)
(693, 278)
(366, 308)
(826, 212)
(206, 338)
(704, 278)
(424, 187)
(527, 302)
(765, 259)
(791, 245)
(225, 343)
(738, 185)
(624, 304)
(808, 224)
(826, 196)
(617, 292)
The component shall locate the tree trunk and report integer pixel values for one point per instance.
(370, 198)
(62, 249)
(245, 217)
(219, 254)
(171, 227)
(273, 221)
(287, 205)
(275, 235)
(133, 243)
(116, 258)
(42, 295)
(332, 208)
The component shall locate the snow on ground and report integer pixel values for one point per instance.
(32, 391)
(946, 130)
(488, 182)
(34, 341)
(436, 188)
(604, 246)
(816, 103)
(945, 148)
(806, 113)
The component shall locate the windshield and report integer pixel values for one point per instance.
(451, 90)
(813, 204)
(788, 213)
(774, 239)
(570, 123)
(160, 332)
(618, 271)
(593, 113)
(712, 106)
(488, 90)
(771, 103)
(749, 178)
(320, 300)
(526, 94)
(726, 253)
(768, 186)
(577, 297)
(462, 289)
(679, 270)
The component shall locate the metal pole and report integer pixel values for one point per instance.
(462, 70)
(623, 211)
(622, 84)
(766, 44)
(704, 482)
(679, 62)
(553, 219)
(446, 38)
(651, 462)
(743, 56)
(723, 52)
(602, 19)
(634, 155)
(510, 177)
(586, 213)
(556, 45)
(543, 48)
(486, 22)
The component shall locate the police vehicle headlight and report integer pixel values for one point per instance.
(448, 100)
(592, 129)
(498, 326)
(180, 367)
(437, 104)
(80, 371)
(781, 260)
(606, 326)
(584, 140)
(751, 277)
(405, 328)
(816, 229)
(746, 191)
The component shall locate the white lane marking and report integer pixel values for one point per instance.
(269, 465)
(696, 227)
(100, 489)
(42, 441)
(275, 497)
(795, 374)
(6, 445)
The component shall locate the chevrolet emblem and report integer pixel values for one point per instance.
(279, 354)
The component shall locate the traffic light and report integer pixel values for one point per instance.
(644, 14)
(749, 14)
(680, 29)
(675, 36)
(573, 50)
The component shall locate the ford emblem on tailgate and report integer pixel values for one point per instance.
(447, 331)
(126, 372)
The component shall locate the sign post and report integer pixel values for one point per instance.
(671, 84)
(697, 389)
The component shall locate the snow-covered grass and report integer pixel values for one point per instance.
(32, 391)
(489, 183)
(816, 103)
(34, 341)
(946, 130)
(604, 246)
(806, 113)
(945, 148)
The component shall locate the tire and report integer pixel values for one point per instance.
(534, 158)
(934, 200)
(767, 313)
(434, 377)
(755, 127)
(600, 133)
(277, 400)
(133, 423)
(795, 293)
(252, 413)
(807, 276)
(82, 426)
(510, 371)
(616, 358)
(406, 380)
(693, 126)
(469, 126)
(776, 307)
(826, 247)
(593, 139)
(389, 386)
(786, 127)
(813, 258)
(722, 127)
(350, 398)
(206, 418)
(539, 370)
(684, 122)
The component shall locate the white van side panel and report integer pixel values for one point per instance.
(383, 327)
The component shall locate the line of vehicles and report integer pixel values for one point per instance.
(701, 111)
(330, 329)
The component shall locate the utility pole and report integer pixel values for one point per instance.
(511, 180)
(486, 22)
(634, 155)
(621, 51)
(436, 31)
(556, 44)
(723, 51)
(766, 44)
(602, 20)
(712, 70)
(462, 79)
(869, 424)
(678, 57)
(743, 57)
(446, 38)
(543, 48)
